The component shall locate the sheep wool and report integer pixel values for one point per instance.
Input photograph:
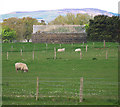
(21, 66)
(76, 50)
(61, 50)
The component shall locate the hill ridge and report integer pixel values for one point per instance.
(49, 15)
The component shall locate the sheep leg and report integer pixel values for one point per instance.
(16, 70)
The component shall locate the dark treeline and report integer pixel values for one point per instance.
(104, 28)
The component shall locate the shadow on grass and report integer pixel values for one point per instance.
(53, 58)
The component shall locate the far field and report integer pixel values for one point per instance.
(59, 80)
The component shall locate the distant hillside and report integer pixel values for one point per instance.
(49, 15)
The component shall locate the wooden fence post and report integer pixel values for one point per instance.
(54, 53)
(81, 89)
(104, 43)
(60, 45)
(80, 55)
(11, 48)
(72, 44)
(33, 55)
(21, 52)
(106, 54)
(46, 46)
(86, 48)
(83, 44)
(37, 89)
(7, 55)
(93, 44)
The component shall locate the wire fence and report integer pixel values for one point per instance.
(45, 46)
(60, 88)
(40, 51)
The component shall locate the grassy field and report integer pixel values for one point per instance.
(59, 80)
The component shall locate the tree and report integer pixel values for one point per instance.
(17, 25)
(60, 20)
(71, 19)
(86, 27)
(22, 26)
(28, 27)
(103, 28)
(8, 35)
(82, 19)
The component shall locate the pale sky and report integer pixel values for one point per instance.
(8, 6)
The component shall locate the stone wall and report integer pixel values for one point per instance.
(59, 38)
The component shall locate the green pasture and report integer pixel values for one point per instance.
(59, 79)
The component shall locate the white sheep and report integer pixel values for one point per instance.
(21, 66)
(61, 50)
(76, 50)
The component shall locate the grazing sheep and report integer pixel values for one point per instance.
(21, 66)
(76, 50)
(61, 50)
